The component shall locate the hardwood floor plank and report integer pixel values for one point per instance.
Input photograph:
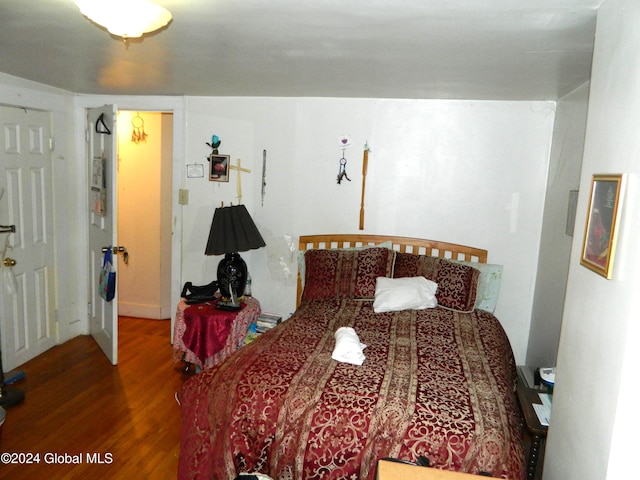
(81, 408)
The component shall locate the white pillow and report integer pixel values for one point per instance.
(408, 293)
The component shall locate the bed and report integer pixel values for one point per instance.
(436, 382)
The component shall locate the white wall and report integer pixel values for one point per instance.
(555, 247)
(594, 420)
(462, 171)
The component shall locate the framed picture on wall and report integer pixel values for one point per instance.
(195, 170)
(218, 168)
(601, 228)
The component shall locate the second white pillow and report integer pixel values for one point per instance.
(409, 293)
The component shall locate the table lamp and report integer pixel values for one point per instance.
(232, 231)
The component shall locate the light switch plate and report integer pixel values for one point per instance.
(183, 196)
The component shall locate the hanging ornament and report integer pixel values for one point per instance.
(342, 172)
(138, 134)
(215, 143)
(344, 142)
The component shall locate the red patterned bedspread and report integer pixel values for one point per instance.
(436, 383)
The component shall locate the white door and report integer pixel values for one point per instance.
(27, 296)
(103, 167)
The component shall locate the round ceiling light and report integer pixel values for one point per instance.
(125, 18)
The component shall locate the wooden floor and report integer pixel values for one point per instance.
(82, 409)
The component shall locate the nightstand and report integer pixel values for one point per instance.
(538, 432)
(205, 335)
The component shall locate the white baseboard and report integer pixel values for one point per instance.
(156, 312)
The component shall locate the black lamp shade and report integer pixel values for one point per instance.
(232, 231)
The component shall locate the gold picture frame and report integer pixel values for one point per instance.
(601, 228)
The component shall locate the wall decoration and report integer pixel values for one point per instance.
(219, 168)
(264, 175)
(215, 143)
(218, 164)
(195, 170)
(239, 169)
(344, 142)
(365, 165)
(138, 135)
(603, 214)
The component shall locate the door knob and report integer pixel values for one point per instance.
(118, 249)
(9, 262)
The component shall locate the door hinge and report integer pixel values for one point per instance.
(52, 144)
(87, 135)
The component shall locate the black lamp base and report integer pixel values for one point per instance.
(232, 276)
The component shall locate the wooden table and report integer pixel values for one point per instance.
(527, 397)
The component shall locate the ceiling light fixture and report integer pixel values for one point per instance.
(125, 18)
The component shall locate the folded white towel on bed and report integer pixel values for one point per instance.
(348, 348)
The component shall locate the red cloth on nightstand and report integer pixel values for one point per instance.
(207, 328)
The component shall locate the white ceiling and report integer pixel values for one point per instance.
(472, 49)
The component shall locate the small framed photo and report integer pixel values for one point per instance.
(218, 168)
(601, 229)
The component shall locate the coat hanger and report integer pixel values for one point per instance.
(101, 127)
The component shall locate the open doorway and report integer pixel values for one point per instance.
(145, 145)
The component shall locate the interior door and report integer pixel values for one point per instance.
(27, 281)
(102, 161)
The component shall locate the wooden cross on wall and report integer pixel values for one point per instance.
(239, 181)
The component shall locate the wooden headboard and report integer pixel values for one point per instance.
(418, 246)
